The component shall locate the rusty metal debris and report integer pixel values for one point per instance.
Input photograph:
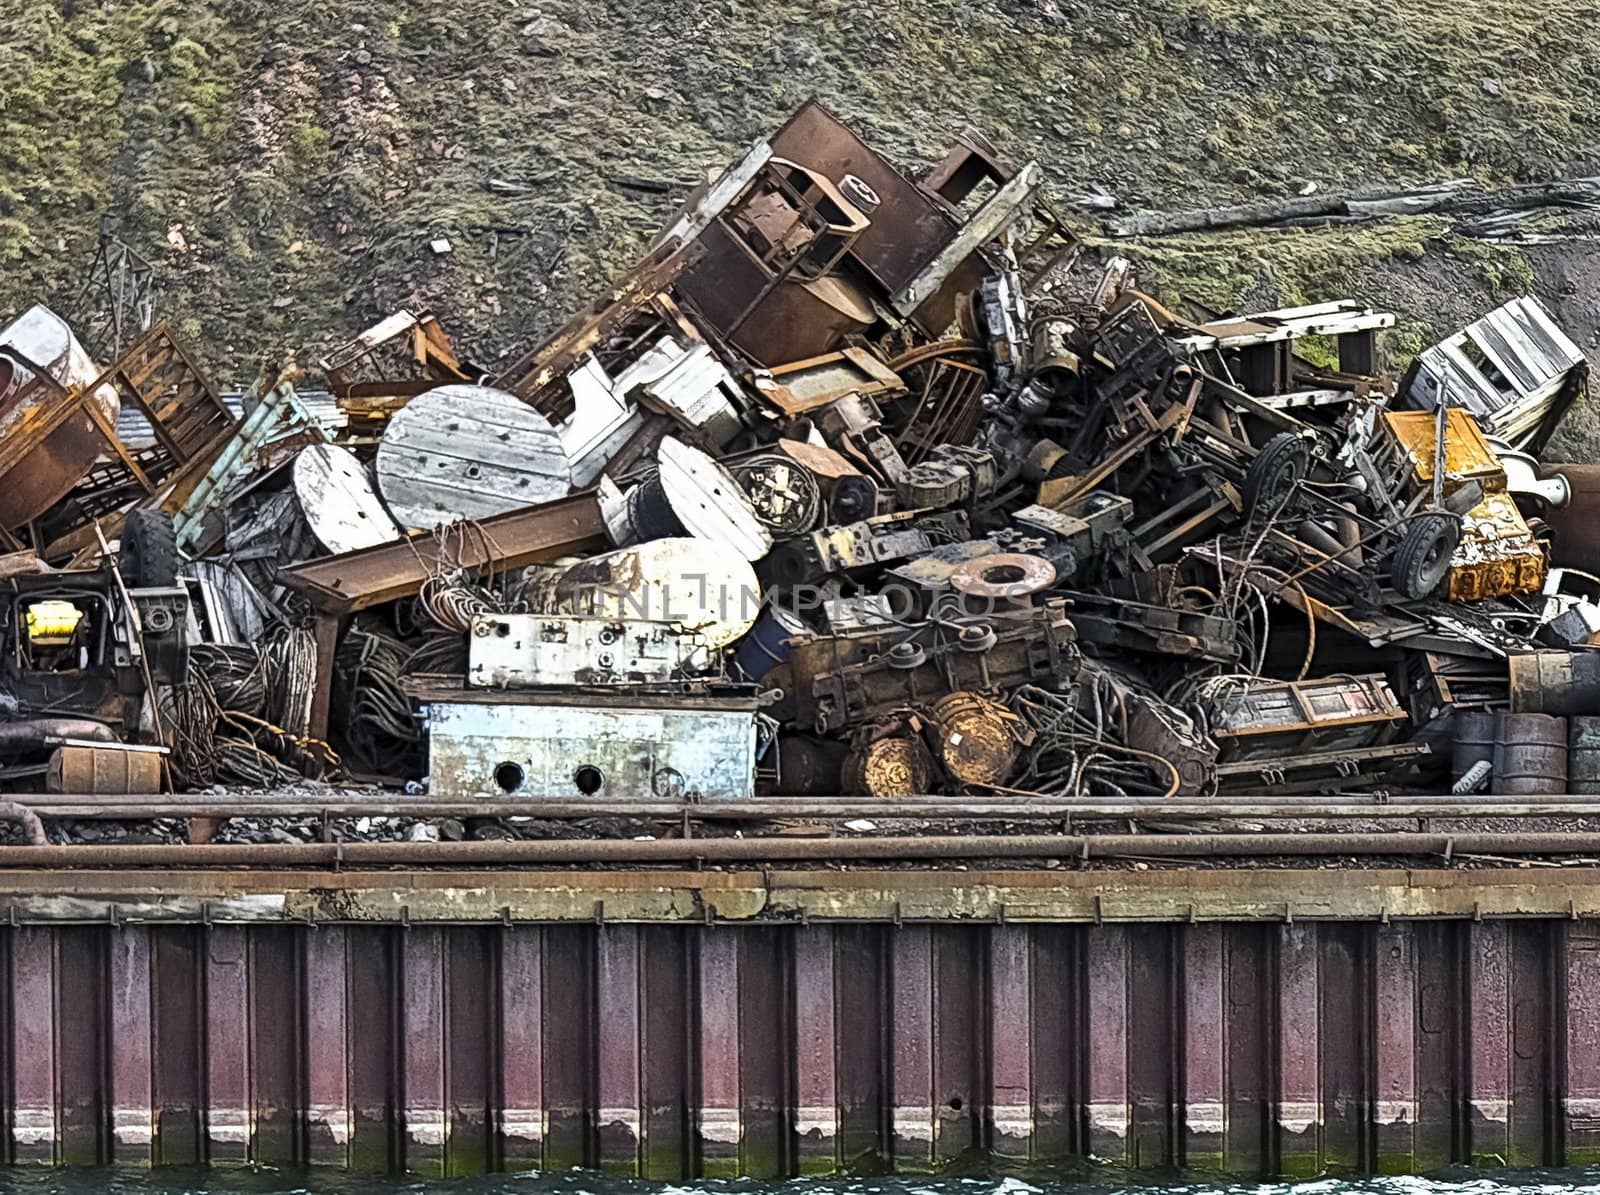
(859, 482)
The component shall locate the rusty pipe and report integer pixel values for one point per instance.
(32, 827)
(28, 735)
(755, 850)
(120, 807)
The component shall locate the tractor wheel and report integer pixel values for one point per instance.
(1278, 468)
(149, 555)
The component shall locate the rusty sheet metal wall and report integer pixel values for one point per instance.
(665, 1051)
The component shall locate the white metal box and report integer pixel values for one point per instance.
(522, 650)
(574, 746)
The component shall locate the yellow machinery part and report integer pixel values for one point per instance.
(52, 622)
(1467, 455)
(1498, 554)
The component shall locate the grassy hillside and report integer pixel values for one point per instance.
(286, 163)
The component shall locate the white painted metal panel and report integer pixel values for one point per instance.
(600, 423)
(529, 650)
(567, 752)
(464, 451)
(695, 386)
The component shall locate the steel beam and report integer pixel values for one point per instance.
(344, 584)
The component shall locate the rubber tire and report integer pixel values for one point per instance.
(1282, 462)
(1423, 557)
(149, 553)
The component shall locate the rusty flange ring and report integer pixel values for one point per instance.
(976, 743)
(890, 767)
(1004, 576)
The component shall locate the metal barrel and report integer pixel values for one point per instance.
(1474, 731)
(766, 646)
(1583, 754)
(1555, 682)
(1530, 754)
(976, 743)
(897, 766)
(1576, 525)
(113, 770)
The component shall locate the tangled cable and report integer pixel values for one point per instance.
(450, 597)
(235, 672)
(453, 605)
(439, 654)
(1071, 755)
(381, 733)
(290, 658)
(218, 732)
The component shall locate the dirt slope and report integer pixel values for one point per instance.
(286, 163)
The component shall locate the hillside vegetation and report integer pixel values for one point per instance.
(286, 163)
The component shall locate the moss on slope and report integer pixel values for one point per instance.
(288, 162)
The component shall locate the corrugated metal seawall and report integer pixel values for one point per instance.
(669, 1050)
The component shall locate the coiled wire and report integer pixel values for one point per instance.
(219, 732)
(382, 735)
(290, 657)
(1072, 755)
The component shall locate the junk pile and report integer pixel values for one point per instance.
(858, 482)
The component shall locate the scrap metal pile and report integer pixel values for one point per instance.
(859, 483)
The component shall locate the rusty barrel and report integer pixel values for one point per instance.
(1583, 754)
(1474, 741)
(1530, 755)
(895, 766)
(1555, 682)
(42, 366)
(1576, 526)
(975, 737)
(107, 770)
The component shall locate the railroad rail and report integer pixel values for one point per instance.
(777, 849)
(114, 807)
